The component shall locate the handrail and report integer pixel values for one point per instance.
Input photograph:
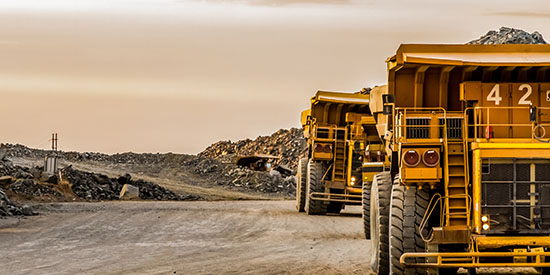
(401, 112)
(471, 259)
(428, 214)
(333, 127)
(482, 112)
(443, 214)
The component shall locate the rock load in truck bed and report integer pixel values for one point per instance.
(507, 35)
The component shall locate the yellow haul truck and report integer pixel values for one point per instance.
(468, 131)
(331, 175)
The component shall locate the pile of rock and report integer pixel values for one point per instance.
(32, 184)
(9, 151)
(228, 174)
(288, 145)
(507, 35)
(20, 151)
(8, 208)
(272, 182)
(93, 186)
(30, 188)
(8, 169)
(219, 170)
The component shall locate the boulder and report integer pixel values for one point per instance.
(129, 192)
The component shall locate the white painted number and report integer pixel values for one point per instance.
(494, 95)
(523, 100)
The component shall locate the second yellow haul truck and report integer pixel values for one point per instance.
(468, 131)
(344, 153)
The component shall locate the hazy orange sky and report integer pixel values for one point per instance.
(160, 76)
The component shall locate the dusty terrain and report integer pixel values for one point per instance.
(236, 237)
(200, 237)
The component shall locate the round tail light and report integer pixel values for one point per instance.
(411, 158)
(431, 158)
(319, 147)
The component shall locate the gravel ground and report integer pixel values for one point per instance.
(222, 237)
(235, 237)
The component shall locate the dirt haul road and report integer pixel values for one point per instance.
(235, 237)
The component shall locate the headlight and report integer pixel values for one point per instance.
(353, 181)
(431, 158)
(411, 158)
(485, 226)
(484, 218)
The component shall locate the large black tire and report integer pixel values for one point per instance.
(301, 184)
(406, 212)
(379, 221)
(315, 172)
(365, 203)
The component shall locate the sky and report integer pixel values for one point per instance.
(176, 76)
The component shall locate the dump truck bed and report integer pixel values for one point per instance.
(329, 108)
(429, 75)
(471, 55)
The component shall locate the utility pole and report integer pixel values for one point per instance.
(50, 162)
(54, 142)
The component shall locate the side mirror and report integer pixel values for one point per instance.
(387, 98)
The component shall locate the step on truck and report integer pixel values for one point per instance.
(467, 132)
(341, 137)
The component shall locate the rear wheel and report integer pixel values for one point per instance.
(365, 203)
(315, 172)
(301, 184)
(379, 220)
(406, 213)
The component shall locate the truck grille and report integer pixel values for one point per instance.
(454, 127)
(514, 203)
(418, 127)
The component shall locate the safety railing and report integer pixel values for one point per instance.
(472, 259)
(336, 197)
(506, 123)
(436, 200)
(419, 124)
(326, 131)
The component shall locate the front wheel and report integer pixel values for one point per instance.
(365, 203)
(315, 172)
(300, 184)
(379, 216)
(407, 208)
